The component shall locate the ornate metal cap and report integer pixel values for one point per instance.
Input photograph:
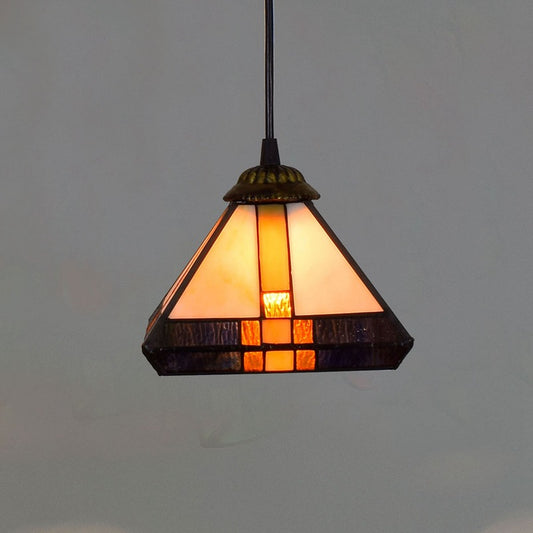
(271, 183)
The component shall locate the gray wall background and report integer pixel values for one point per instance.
(122, 124)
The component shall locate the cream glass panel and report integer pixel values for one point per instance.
(177, 283)
(273, 248)
(323, 281)
(226, 284)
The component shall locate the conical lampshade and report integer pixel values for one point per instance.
(272, 289)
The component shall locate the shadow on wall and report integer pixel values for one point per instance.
(517, 523)
(72, 528)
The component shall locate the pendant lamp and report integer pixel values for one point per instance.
(271, 288)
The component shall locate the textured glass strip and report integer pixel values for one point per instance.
(199, 333)
(341, 330)
(201, 362)
(362, 357)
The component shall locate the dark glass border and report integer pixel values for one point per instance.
(348, 342)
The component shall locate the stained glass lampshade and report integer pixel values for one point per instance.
(272, 289)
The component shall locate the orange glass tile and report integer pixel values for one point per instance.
(253, 361)
(305, 359)
(273, 248)
(250, 333)
(277, 330)
(303, 331)
(279, 361)
(277, 304)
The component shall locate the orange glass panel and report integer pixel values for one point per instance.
(273, 248)
(277, 304)
(305, 359)
(279, 361)
(277, 331)
(253, 361)
(303, 331)
(323, 280)
(250, 332)
(226, 284)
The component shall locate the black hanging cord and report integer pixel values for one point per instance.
(269, 69)
(269, 149)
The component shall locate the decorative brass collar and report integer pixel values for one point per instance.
(271, 183)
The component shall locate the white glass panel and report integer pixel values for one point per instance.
(323, 281)
(226, 284)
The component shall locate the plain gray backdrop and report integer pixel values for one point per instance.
(123, 123)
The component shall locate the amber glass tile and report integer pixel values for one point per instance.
(277, 330)
(253, 361)
(279, 361)
(303, 331)
(250, 333)
(305, 359)
(277, 304)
